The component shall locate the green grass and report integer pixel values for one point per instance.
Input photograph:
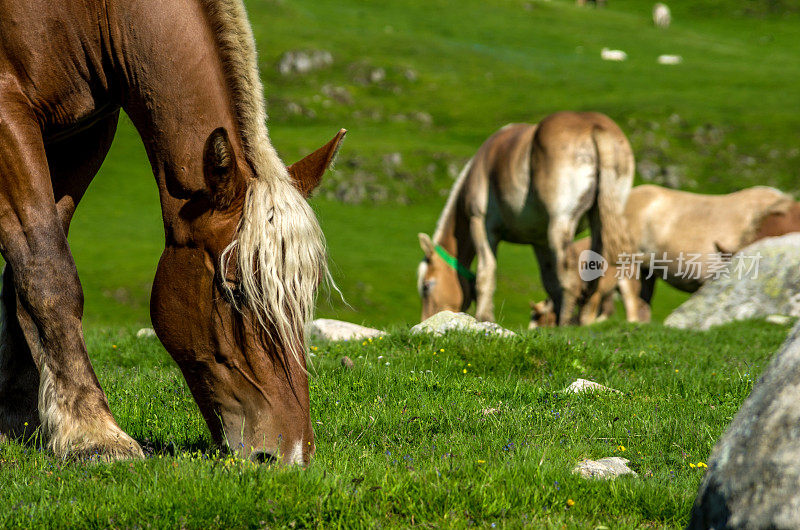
(403, 439)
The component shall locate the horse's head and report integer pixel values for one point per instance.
(233, 291)
(543, 315)
(441, 285)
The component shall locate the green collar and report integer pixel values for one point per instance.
(454, 264)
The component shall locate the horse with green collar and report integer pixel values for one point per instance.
(530, 184)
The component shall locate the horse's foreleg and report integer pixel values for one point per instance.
(73, 411)
(486, 275)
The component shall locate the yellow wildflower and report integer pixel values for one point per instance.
(621, 448)
(481, 461)
(464, 370)
(570, 502)
(692, 465)
(701, 465)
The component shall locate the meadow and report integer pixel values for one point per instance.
(456, 431)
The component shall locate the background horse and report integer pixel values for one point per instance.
(666, 224)
(529, 184)
(243, 250)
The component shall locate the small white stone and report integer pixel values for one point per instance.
(670, 59)
(605, 468)
(145, 333)
(584, 385)
(334, 330)
(781, 320)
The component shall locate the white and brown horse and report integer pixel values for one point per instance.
(529, 184)
(680, 237)
(243, 250)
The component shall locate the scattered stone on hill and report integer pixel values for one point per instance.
(339, 94)
(754, 469)
(377, 75)
(781, 320)
(762, 279)
(584, 385)
(303, 62)
(347, 363)
(605, 468)
(445, 321)
(670, 59)
(145, 333)
(410, 74)
(334, 330)
(613, 55)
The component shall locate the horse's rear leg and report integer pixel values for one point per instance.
(560, 234)
(73, 411)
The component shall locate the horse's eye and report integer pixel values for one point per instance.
(232, 291)
(427, 286)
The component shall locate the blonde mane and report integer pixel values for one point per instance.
(279, 249)
(452, 200)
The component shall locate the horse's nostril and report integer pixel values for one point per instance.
(263, 457)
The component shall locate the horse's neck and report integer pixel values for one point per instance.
(174, 90)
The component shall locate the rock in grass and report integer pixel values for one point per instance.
(754, 470)
(781, 320)
(584, 385)
(347, 363)
(145, 333)
(605, 468)
(334, 330)
(446, 321)
(741, 294)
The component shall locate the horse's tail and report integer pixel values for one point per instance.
(615, 178)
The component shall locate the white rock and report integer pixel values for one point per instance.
(613, 55)
(145, 333)
(605, 468)
(670, 59)
(584, 385)
(446, 321)
(329, 329)
(781, 320)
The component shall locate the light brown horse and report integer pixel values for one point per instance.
(243, 250)
(529, 184)
(666, 224)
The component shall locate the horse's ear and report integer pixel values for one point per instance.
(219, 169)
(307, 173)
(426, 244)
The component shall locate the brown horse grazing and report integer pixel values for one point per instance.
(243, 252)
(665, 223)
(529, 184)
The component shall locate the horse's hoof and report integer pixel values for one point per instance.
(109, 446)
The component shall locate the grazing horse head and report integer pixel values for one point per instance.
(444, 283)
(543, 315)
(231, 299)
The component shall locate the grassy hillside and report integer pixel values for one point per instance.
(452, 74)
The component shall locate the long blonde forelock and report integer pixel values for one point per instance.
(281, 258)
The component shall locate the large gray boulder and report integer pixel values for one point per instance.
(446, 321)
(753, 478)
(741, 294)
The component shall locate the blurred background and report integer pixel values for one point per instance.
(420, 84)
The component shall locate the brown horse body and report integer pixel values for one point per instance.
(185, 72)
(666, 224)
(529, 184)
